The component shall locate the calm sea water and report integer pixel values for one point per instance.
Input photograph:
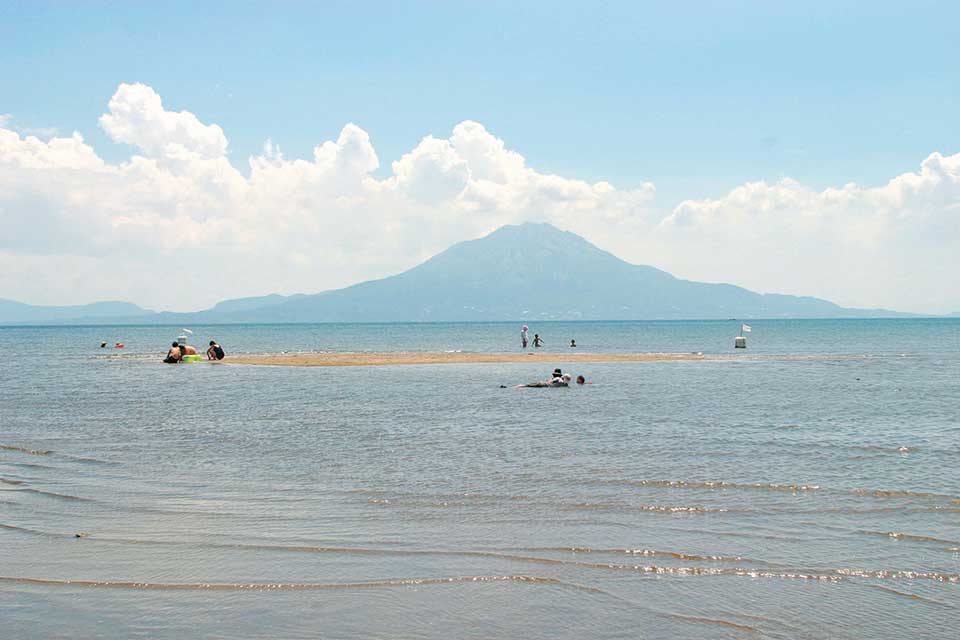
(806, 488)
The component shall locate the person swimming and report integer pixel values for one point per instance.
(560, 381)
(581, 380)
(573, 344)
(537, 342)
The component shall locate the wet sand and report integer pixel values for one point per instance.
(419, 357)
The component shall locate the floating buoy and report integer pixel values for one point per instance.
(119, 345)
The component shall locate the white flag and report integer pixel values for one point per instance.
(745, 327)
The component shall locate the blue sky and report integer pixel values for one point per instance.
(731, 133)
(697, 97)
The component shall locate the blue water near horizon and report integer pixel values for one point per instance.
(804, 488)
(839, 336)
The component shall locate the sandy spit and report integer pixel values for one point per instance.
(418, 357)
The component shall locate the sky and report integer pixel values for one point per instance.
(175, 155)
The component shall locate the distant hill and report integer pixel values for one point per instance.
(528, 271)
(13, 312)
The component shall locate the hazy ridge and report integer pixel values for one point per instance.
(528, 271)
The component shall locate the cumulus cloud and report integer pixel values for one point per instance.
(178, 215)
(889, 246)
(137, 117)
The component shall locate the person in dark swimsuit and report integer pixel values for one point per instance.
(215, 352)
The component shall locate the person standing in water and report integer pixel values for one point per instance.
(523, 336)
(537, 342)
(573, 344)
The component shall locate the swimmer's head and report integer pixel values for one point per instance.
(175, 344)
(565, 377)
(581, 380)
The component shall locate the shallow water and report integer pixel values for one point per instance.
(805, 488)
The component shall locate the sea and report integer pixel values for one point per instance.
(807, 486)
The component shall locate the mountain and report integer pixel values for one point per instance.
(533, 271)
(518, 272)
(20, 313)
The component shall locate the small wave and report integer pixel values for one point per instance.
(53, 494)
(395, 495)
(717, 484)
(26, 465)
(787, 488)
(86, 459)
(494, 555)
(33, 452)
(717, 571)
(896, 535)
(35, 532)
(900, 575)
(650, 508)
(904, 594)
(895, 493)
(642, 552)
(427, 503)
(284, 586)
(717, 621)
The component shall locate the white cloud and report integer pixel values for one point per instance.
(137, 117)
(891, 246)
(177, 226)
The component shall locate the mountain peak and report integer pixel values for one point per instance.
(532, 232)
(533, 242)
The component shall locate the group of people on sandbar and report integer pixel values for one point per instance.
(537, 340)
(558, 379)
(178, 352)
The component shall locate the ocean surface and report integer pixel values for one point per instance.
(807, 487)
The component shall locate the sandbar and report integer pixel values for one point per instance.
(366, 359)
